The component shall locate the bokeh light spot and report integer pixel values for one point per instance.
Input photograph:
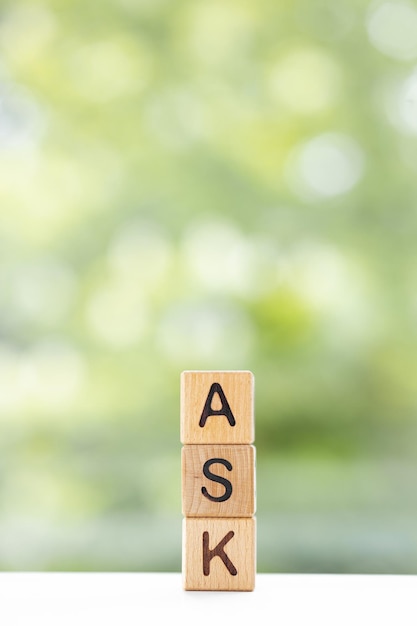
(327, 166)
(335, 288)
(51, 375)
(27, 30)
(109, 69)
(176, 117)
(22, 123)
(407, 103)
(140, 252)
(206, 333)
(44, 282)
(392, 29)
(220, 259)
(219, 31)
(218, 256)
(305, 80)
(116, 315)
(10, 392)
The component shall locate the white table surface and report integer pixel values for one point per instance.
(126, 599)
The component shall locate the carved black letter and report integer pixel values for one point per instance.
(217, 551)
(218, 479)
(224, 410)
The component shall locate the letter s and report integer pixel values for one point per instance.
(218, 479)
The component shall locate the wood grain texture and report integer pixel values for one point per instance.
(218, 480)
(219, 554)
(215, 391)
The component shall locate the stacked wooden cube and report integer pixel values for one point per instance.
(218, 480)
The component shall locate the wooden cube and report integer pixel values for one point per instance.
(217, 407)
(218, 480)
(219, 554)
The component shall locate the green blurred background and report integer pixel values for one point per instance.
(207, 185)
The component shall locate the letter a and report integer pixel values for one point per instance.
(224, 410)
(217, 551)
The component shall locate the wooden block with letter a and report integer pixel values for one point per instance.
(217, 407)
(219, 554)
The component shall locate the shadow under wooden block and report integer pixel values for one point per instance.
(219, 554)
(218, 480)
(217, 407)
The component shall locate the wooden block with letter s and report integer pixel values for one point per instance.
(218, 480)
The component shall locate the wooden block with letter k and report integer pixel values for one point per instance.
(219, 554)
(218, 480)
